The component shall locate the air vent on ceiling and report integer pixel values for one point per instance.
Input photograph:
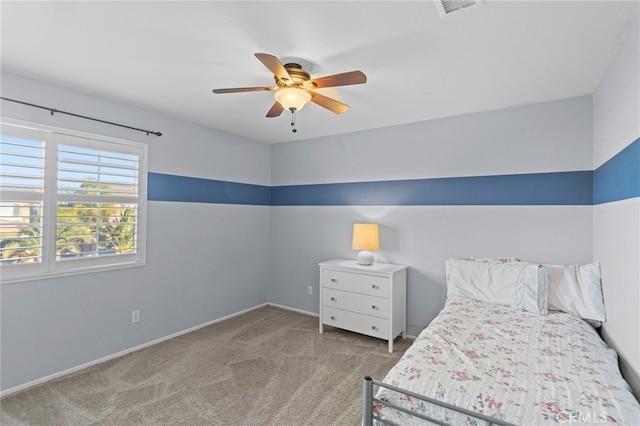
(447, 7)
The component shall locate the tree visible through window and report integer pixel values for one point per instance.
(69, 202)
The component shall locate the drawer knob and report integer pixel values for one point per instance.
(333, 318)
(333, 280)
(374, 307)
(333, 299)
(373, 327)
(375, 287)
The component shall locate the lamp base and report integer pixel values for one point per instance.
(365, 258)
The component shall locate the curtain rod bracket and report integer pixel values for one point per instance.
(53, 110)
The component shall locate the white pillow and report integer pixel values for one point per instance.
(517, 284)
(485, 260)
(494, 259)
(577, 289)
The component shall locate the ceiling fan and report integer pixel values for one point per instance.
(295, 87)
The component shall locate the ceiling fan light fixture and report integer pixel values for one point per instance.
(292, 98)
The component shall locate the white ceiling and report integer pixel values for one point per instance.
(167, 56)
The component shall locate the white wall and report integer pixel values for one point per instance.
(548, 137)
(616, 111)
(204, 261)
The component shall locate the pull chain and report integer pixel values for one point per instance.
(293, 120)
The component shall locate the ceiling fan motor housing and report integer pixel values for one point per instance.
(297, 74)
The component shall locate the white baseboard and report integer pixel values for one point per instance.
(127, 351)
(288, 308)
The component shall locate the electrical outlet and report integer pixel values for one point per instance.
(135, 316)
(309, 290)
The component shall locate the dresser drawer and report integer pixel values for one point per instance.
(360, 323)
(356, 283)
(364, 304)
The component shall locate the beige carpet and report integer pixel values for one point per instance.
(267, 367)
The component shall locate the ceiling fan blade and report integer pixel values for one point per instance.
(274, 65)
(246, 89)
(342, 79)
(275, 110)
(328, 103)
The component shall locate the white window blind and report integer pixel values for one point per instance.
(97, 199)
(71, 202)
(22, 164)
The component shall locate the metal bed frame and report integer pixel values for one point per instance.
(369, 415)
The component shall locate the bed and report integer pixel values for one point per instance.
(514, 344)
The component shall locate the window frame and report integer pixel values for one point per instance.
(50, 267)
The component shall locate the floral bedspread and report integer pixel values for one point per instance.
(512, 365)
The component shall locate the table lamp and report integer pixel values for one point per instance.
(365, 238)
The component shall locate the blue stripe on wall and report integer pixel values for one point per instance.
(563, 188)
(164, 187)
(618, 178)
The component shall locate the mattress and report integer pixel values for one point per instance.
(512, 365)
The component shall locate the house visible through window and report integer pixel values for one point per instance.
(69, 202)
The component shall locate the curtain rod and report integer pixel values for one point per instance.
(53, 110)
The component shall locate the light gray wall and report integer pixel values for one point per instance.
(204, 261)
(616, 111)
(552, 136)
(549, 137)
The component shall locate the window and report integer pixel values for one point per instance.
(69, 202)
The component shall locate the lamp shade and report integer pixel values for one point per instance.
(292, 98)
(365, 236)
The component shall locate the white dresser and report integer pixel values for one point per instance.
(369, 300)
